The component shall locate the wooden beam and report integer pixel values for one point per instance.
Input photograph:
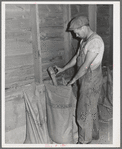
(67, 35)
(36, 43)
(92, 15)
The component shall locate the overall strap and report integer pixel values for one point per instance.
(90, 38)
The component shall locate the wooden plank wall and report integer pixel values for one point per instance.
(19, 68)
(21, 51)
(19, 58)
(105, 30)
(51, 36)
(77, 10)
(19, 65)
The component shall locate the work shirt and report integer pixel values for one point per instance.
(93, 44)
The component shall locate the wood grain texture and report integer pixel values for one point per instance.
(58, 62)
(52, 21)
(24, 36)
(17, 7)
(50, 33)
(19, 72)
(36, 43)
(19, 79)
(53, 8)
(18, 61)
(52, 45)
(52, 54)
(18, 46)
(14, 48)
(51, 15)
(14, 85)
(67, 36)
(18, 24)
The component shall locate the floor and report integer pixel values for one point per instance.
(105, 133)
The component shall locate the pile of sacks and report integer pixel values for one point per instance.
(50, 115)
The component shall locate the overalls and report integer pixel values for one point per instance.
(89, 92)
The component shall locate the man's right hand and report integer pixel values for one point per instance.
(58, 69)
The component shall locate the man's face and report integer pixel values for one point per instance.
(80, 33)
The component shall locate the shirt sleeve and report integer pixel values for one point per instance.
(94, 46)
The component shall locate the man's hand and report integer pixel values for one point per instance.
(59, 70)
(71, 82)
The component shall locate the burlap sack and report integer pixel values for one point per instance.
(61, 105)
(35, 107)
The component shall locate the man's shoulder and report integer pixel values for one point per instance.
(97, 39)
(95, 42)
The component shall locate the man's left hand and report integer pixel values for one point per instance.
(71, 82)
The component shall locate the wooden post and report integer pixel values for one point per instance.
(92, 15)
(67, 35)
(36, 43)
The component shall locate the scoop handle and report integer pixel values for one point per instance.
(52, 75)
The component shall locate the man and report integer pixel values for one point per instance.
(89, 75)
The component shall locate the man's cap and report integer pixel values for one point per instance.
(78, 22)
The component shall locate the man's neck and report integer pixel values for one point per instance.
(90, 32)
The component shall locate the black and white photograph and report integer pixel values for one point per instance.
(60, 74)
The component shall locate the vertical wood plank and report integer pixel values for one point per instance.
(111, 35)
(92, 15)
(67, 35)
(36, 43)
